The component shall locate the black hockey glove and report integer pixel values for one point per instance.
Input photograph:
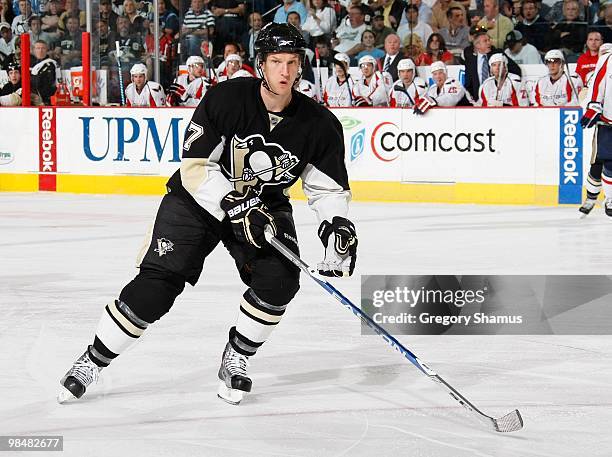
(340, 240)
(361, 101)
(248, 215)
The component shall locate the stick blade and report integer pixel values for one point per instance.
(511, 422)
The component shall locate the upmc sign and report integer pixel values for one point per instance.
(47, 150)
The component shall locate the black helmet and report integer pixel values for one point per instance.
(279, 38)
(13, 65)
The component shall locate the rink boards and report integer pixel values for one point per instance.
(465, 155)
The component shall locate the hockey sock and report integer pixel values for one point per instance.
(593, 181)
(256, 321)
(606, 179)
(118, 328)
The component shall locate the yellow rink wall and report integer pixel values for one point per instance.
(449, 156)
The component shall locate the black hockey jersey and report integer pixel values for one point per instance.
(233, 142)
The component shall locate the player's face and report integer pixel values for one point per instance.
(406, 76)
(495, 68)
(340, 71)
(367, 69)
(14, 76)
(232, 67)
(139, 81)
(554, 66)
(281, 71)
(197, 69)
(439, 77)
(594, 41)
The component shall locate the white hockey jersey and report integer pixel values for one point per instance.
(450, 94)
(376, 91)
(336, 94)
(600, 88)
(307, 88)
(406, 97)
(194, 90)
(511, 93)
(558, 93)
(152, 94)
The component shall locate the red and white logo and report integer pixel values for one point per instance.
(47, 157)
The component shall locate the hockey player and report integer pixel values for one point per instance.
(444, 92)
(410, 88)
(188, 90)
(307, 88)
(233, 68)
(557, 88)
(339, 88)
(502, 88)
(371, 88)
(141, 92)
(599, 114)
(248, 141)
(10, 93)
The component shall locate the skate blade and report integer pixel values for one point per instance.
(65, 396)
(231, 396)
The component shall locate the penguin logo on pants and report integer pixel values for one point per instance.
(256, 164)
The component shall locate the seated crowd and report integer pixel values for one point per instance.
(386, 39)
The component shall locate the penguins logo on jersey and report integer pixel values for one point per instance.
(256, 163)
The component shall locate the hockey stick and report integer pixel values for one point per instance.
(320, 86)
(119, 53)
(510, 422)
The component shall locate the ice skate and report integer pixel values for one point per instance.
(74, 383)
(234, 382)
(608, 206)
(586, 207)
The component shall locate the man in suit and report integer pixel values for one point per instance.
(477, 61)
(392, 56)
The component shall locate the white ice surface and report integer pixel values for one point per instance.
(320, 388)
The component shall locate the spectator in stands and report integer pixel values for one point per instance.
(477, 62)
(20, 23)
(68, 52)
(288, 6)
(109, 16)
(444, 91)
(293, 18)
(435, 50)
(50, 19)
(368, 39)
(392, 12)
(533, 27)
(570, 34)
(439, 14)
(198, 25)
(72, 10)
(381, 31)
(229, 19)
(141, 92)
(413, 47)
(520, 51)
(349, 32)
(131, 44)
(413, 25)
(6, 12)
(497, 24)
(557, 88)
(10, 93)
(557, 14)
(105, 42)
(456, 35)
(130, 11)
(7, 43)
(604, 25)
(424, 11)
(393, 55)
(36, 32)
(321, 19)
(168, 21)
(587, 61)
(326, 57)
(249, 37)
